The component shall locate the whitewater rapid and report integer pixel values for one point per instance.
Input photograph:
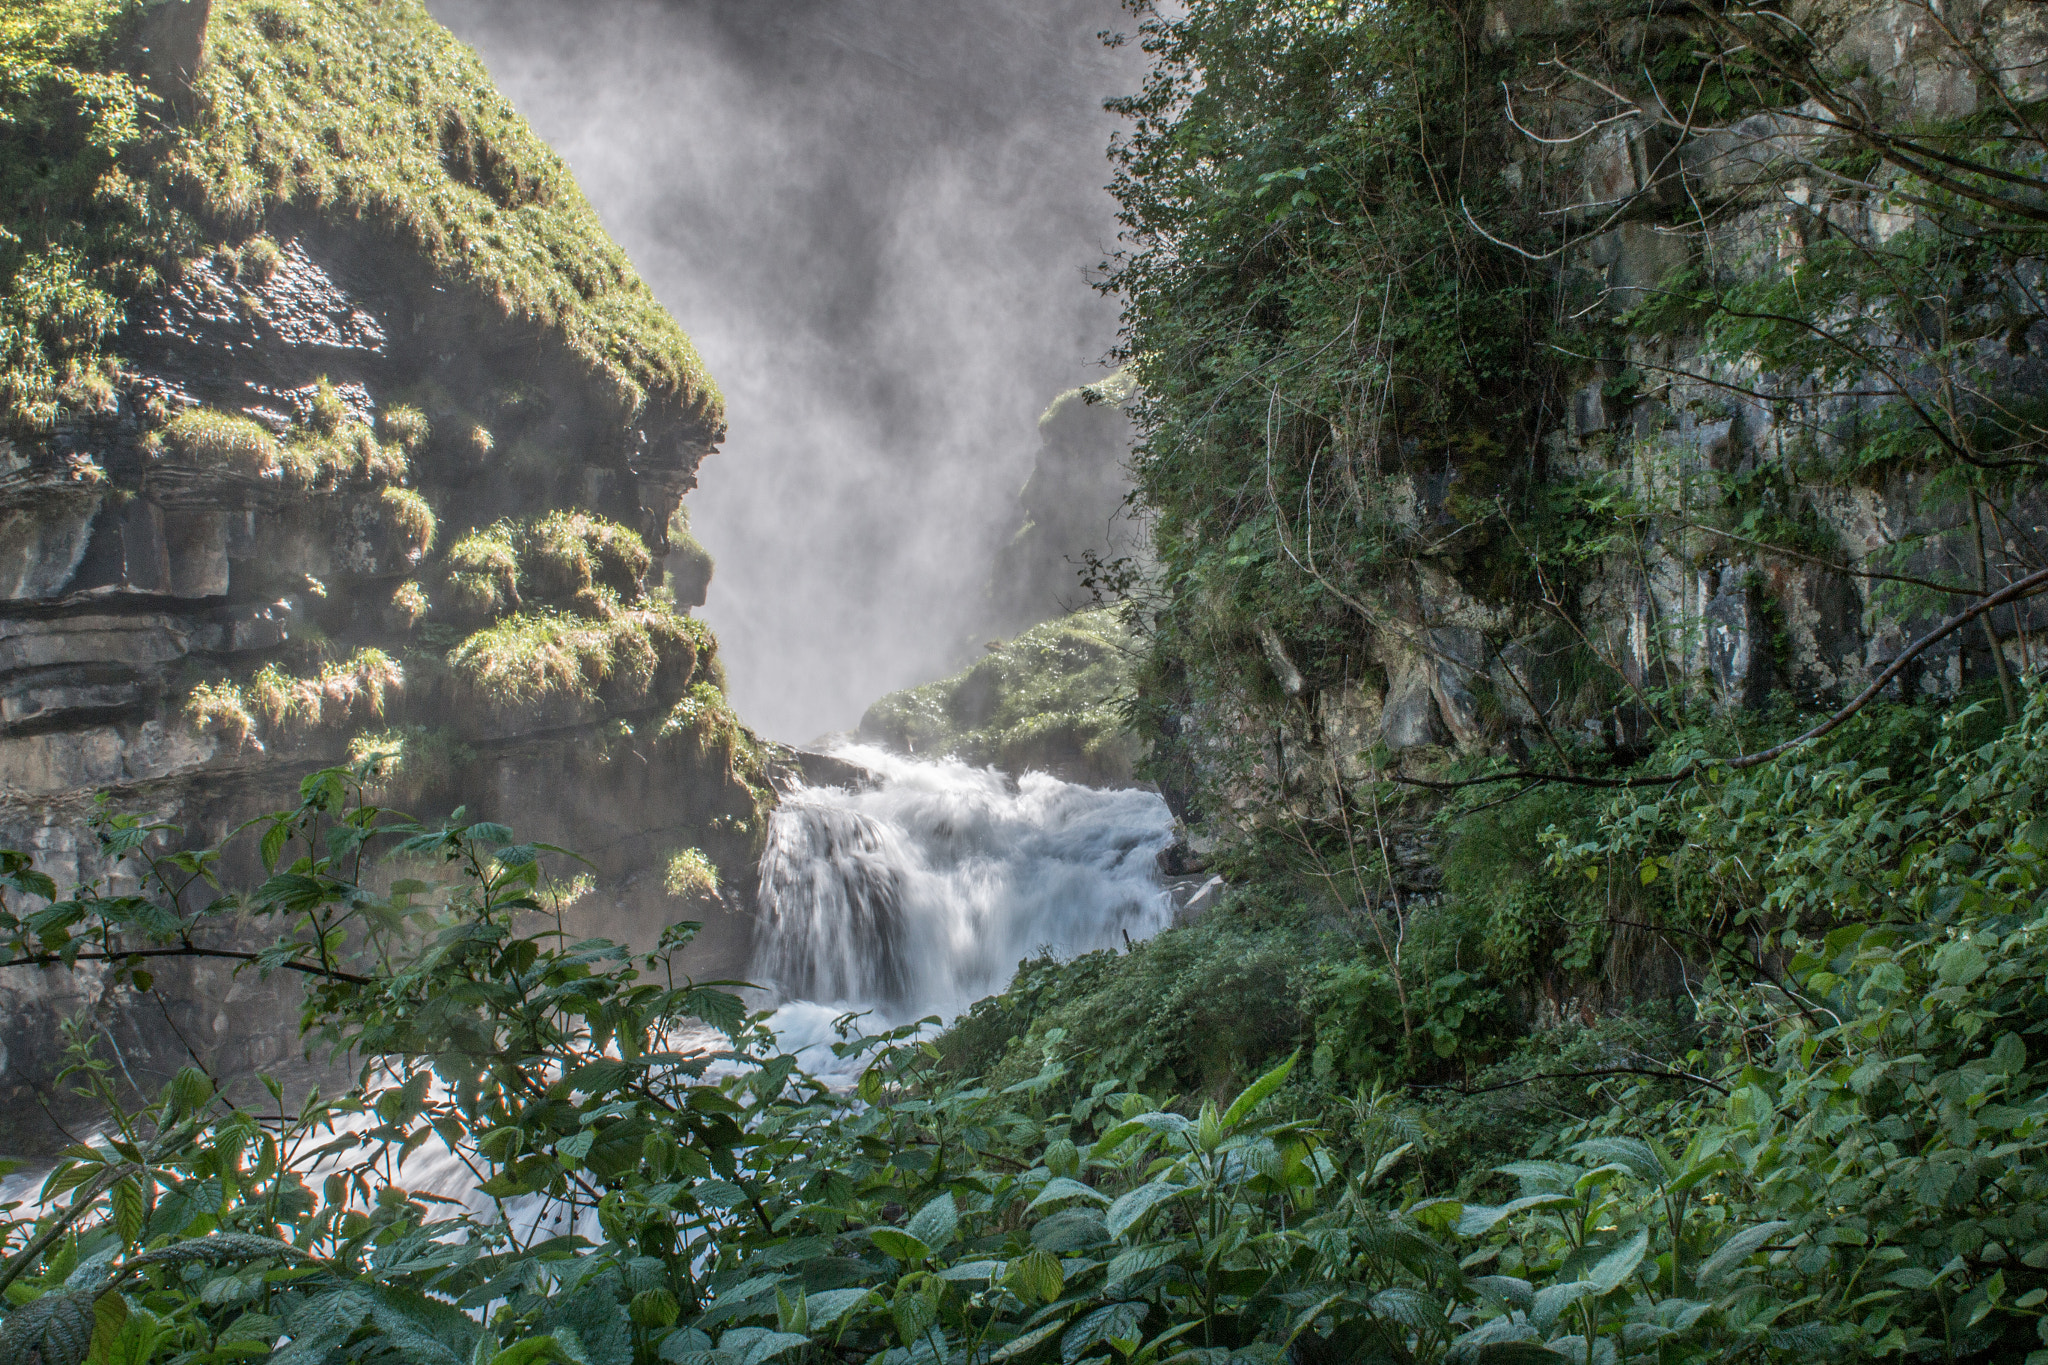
(919, 893)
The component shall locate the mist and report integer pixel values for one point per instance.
(879, 221)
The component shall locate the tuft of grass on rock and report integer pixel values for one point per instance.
(407, 426)
(483, 572)
(223, 440)
(321, 459)
(690, 876)
(541, 656)
(408, 510)
(280, 704)
(409, 604)
(562, 554)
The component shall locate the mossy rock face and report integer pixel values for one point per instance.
(329, 414)
(1048, 701)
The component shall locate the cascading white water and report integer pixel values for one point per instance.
(920, 894)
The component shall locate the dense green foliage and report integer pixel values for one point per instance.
(1850, 1174)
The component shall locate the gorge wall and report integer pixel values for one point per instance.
(1636, 417)
(336, 428)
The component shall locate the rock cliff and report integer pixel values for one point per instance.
(1742, 465)
(335, 430)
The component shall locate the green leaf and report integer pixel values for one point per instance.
(1036, 1277)
(109, 1316)
(913, 1312)
(1736, 1250)
(934, 1224)
(56, 1329)
(1130, 1209)
(1516, 1353)
(532, 1351)
(1060, 1188)
(900, 1245)
(1617, 1265)
(1111, 1322)
(1259, 1091)
(1026, 1344)
(125, 1199)
(1959, 963)
(752, 1345)
(1477, 1218)
(829, 1307)
(1552, 1300)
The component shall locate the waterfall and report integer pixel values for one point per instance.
(920, 894)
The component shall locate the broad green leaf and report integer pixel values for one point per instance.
(829, 1307)
(934, 1224)
(913, 1313)
(900, 1245)
(1060, 1188)
(973, 1272)
(1959, 963)
(1036, 1277)
(1617, 1265)
(1552, 1300)
(56, 1329)
(1258, 1092)
(1477, 1218)
(1138, 1260)
(1736, 1250)
(1029, 1342)
(1131, 1207)
(1111, 1322)
(532, 1351)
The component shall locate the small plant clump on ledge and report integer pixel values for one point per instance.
(275, 704)
(690, 876)
(483, 573)
(208, 438)
(543, 656)
(408, 510)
